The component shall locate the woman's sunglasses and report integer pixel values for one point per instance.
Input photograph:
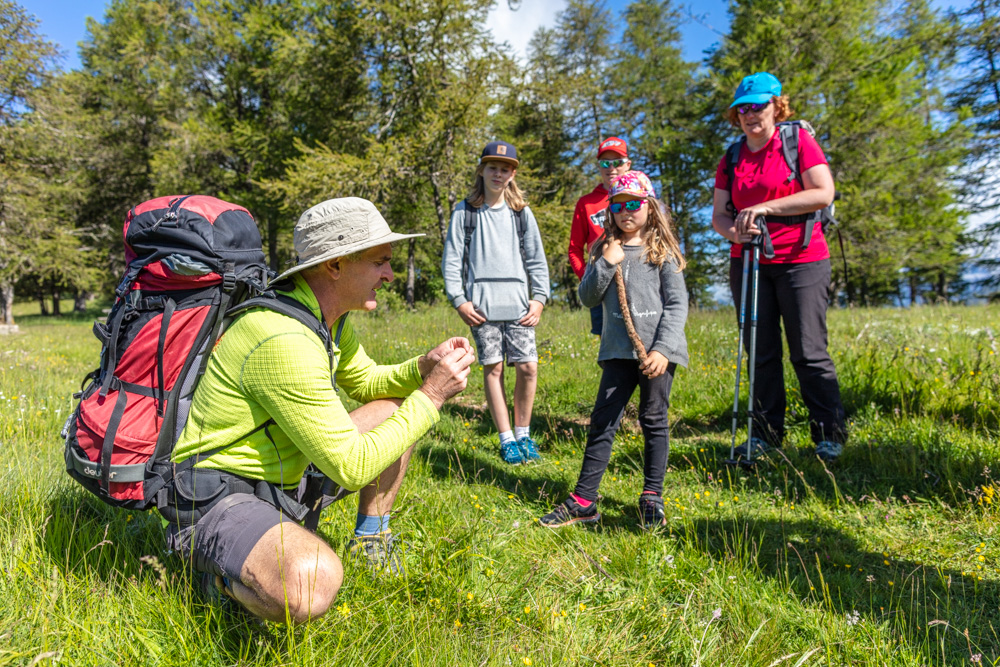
(611, 164)
(756, 108)
(630, 205)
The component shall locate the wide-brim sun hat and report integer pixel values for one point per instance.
(756, 88)
(338, 227)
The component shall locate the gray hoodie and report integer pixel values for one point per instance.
(657, 298)
(496, 285)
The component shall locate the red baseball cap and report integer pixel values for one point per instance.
(615, 145)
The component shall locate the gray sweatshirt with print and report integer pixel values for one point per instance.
(496, 283)
(657, 298)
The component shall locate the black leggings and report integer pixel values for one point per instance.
(796, 294)
(618, 383)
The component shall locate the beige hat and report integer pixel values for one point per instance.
(339, 227)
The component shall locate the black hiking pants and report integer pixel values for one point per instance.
(798, 295)
(618, 383)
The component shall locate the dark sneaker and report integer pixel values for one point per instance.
(510, 451)
(378, 552)
(568, 512)
(829, 451)
(529, 450)
(651, 511)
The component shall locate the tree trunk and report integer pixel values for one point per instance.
(411, 273)
(913, 290)
(43, 307)
(942, 287)
(7, 301)
(54, 291)
(80, 300)
(439, 207)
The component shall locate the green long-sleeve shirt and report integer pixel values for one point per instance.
(267, 365)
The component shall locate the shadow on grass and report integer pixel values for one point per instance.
(929, 608)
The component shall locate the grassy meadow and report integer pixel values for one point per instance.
(890, 556)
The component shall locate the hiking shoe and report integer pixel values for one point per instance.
(529, 450)
(651, 513)
(569, 511)
(757, 447)
(828, 451)
(511, 452)
(377, 552)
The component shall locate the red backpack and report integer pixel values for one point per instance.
(189, 260)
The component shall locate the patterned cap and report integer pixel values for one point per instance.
(633, 183)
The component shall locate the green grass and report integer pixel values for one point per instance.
(889, 557)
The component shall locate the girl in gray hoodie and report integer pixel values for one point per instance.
(640, 242)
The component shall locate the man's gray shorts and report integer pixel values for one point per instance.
(496, 341)
(221, 541)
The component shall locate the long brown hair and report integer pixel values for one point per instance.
(512, 194)
(659, 243)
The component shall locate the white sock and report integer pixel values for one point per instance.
(505, 437)
(521, 432)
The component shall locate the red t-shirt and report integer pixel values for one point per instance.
(588, 225)
(763, 176)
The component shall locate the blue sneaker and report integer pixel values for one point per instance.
(511, 452)
(529, 450)
(829, 451)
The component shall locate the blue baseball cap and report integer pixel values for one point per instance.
(500, 150)
(757, 89)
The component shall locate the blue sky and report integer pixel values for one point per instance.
(64, 22)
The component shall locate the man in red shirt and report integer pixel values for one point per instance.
(591, 209)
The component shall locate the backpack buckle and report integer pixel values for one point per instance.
(229, 282)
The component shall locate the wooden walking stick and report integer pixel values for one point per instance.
(627, 315)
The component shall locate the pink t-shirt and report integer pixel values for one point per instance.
(763, 176)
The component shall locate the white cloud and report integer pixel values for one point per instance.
(517, 27)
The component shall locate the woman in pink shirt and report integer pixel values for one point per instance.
(794, 285)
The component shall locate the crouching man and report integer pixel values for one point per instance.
(269, 405)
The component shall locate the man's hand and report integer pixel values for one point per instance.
(427, 362)
(613, 252)
(448, 377)
(534, 314)
(470, 315)
(654, 366)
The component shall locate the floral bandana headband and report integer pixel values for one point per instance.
(633, 183)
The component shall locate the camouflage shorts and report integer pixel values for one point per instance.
(496, 341)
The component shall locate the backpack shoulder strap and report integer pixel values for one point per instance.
(732, 157)
(298, 311)
(790, 148)
(469, 227)
(521, 224)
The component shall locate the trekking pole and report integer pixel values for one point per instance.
(748, 462)
(732, 461)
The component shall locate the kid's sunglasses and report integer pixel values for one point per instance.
(611, 164)
(756, 108)
(630, 205)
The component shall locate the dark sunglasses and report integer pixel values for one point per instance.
(756, 108)
(630, 205)
(611, 164)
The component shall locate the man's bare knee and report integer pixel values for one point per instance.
(311, 585)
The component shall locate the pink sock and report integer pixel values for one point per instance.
(583, 502)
